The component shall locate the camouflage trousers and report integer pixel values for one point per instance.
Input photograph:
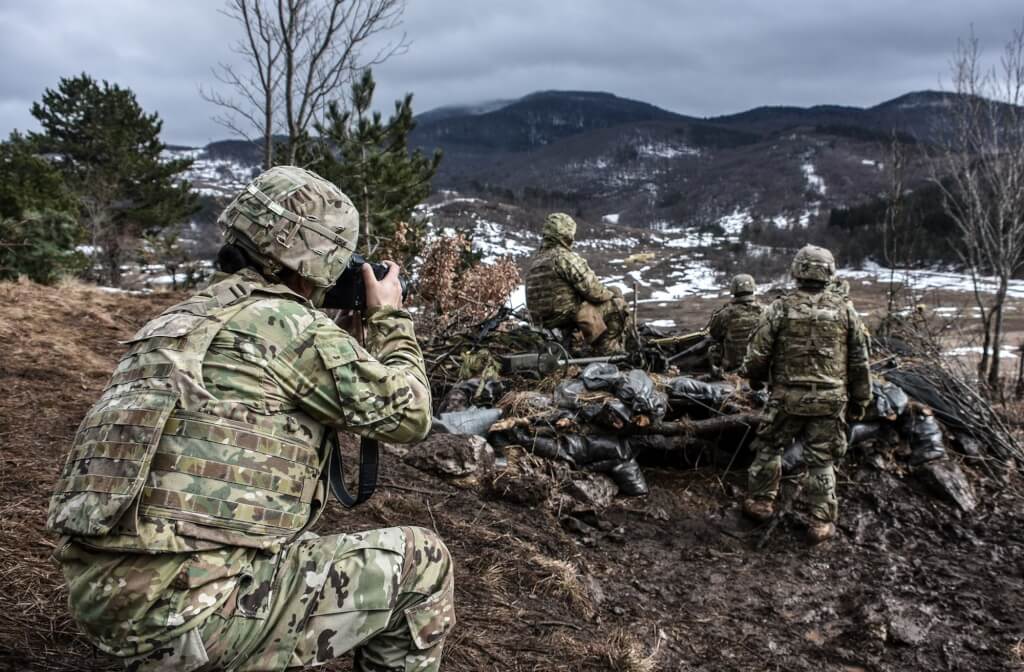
(605, 324)
(824, 439)
(386, 595)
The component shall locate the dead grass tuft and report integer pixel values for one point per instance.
(627, 654)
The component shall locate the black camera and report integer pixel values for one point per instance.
(349, 292)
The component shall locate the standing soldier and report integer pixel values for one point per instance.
(811, 346)
(186, 501)
(732, 325)
(562, 291)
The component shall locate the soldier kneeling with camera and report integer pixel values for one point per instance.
(186, 502)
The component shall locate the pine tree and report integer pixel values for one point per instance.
(109, 151)
(40, 246)
(38, 229)
(28, 182)
(369, 160)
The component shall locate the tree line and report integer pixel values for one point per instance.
(95, 188)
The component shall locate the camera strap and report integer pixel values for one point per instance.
(369, 454)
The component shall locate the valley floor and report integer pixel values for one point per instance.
(669, 582)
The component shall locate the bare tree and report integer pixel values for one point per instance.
(296, 55)
(980, 173)
(894, 214)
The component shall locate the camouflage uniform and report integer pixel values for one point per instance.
(563, 292)
(186, 499)
(732, 324)
(812, 347)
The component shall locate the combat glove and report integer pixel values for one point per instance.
(858, 411)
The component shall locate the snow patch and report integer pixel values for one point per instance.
(931, 279)
(814, 181)
(662, 150)
(733, 224)
(1004, 353)
(698, 279)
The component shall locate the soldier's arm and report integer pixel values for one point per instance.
(858, 368)
(758, 360)
(341, 384)
(576, 271)
(716, 325)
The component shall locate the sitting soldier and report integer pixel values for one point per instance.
(732, 324)
(562, 292)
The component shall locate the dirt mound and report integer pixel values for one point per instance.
(667, 582)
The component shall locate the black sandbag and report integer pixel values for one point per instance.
(638, 392)
(898, 399)
(573, 449)
(609, 413)
(920, 388)
(567, 394)
(473, 392)
(926, 441)
(601, 376)
(888, 401)
(627, 474)
(614, 414)
(630, 478)
(472, 420)
(698, 392)
(607, 448)
(862, 431)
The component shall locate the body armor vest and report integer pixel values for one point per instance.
(158, 464)
(743, 319)
(810, 348)
(551, 300)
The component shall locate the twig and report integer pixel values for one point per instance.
(563, 624)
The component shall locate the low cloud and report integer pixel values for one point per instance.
(701, 59)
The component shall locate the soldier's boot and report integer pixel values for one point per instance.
(820, 530)
(759, 509)
(821, 495)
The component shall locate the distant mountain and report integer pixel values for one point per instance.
(533, 121)
(449, 111)
(922, 115)
(599, 154)
(596, 154)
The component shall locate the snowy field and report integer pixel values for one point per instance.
(926, 279)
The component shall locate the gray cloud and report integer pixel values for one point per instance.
(703, 58)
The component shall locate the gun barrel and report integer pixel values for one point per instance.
(611, 359)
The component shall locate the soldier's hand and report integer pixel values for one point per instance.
(384, 292)
(858, 411)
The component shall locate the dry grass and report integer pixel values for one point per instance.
(1017, 654)
(59, 350)
(626, 653)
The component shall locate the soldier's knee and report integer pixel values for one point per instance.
(431, 615)
(431, 562)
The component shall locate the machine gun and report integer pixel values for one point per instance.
(549, 359)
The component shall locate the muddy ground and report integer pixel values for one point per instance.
(669, 582)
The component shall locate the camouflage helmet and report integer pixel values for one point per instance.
(289, 217)
(559, 229)
(742, 285)
(813, 263)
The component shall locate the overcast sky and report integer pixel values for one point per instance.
(700, 58)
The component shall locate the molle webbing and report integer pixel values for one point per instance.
(147, 447)
(813, 337)
(214, 456)
(108, 464)
(286, 235)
